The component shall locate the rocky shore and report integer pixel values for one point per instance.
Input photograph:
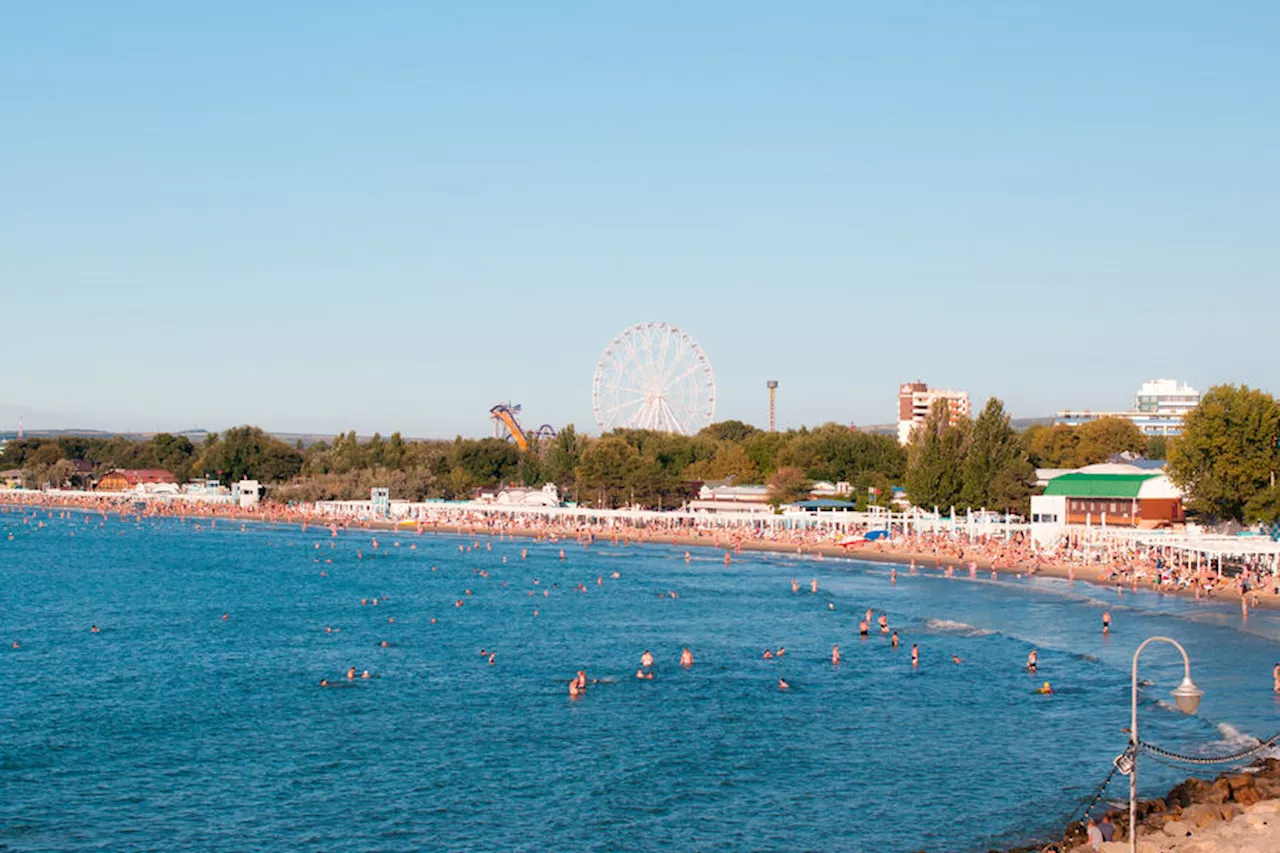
(1237, 812)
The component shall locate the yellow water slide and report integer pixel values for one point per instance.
(508, 418)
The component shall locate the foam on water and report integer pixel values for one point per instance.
(952, 627)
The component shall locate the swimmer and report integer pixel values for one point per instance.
(781, 651)
(1106, 622)
(574, 690)
(615, 574)
(1033, 660)
(365, 674)
(646, 659)
(1275, 676)
(93, 629)
(893, 576)
(813, 585)
(492, 656)
(782, 684)
(884, 623)
(915, 654)
(795, 586)
(894, 639)
(688, 557)
(686, 658)
(640, 673)
(831, 605)
(868, 616)
(863, 628)
(351, 674)
(956, 659)
(581, 679)
(1046, 689)
(324, 682)
(768, 655)
(835, 653)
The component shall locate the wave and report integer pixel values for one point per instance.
(951, 627)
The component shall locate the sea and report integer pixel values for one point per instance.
(195, 719)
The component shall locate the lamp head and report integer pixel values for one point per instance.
(1187, 696)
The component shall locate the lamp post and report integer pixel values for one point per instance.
(1186, 696)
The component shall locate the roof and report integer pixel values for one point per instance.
(1080, 485)
(824, 503)
(144, 475)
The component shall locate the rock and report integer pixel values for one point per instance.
(1247, 796)
(1189, 793)
(1177, 829)
(1230, 810)
(1201, 815)
(1144, 846)
(1156, 822)
(1239, 781)
(1219, 792)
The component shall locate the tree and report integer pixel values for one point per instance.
(996, 472)
(935, 457)
(1052, 446)
(246, 452)
(563, 458)
(1101, 439)
(1227, 455)
(1157, 447)
(788, 485)
(606, 475)
(735, 431)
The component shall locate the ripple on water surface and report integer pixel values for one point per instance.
(174, 729)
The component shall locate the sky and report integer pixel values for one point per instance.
(321, 216)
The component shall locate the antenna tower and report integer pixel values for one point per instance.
(772, 385)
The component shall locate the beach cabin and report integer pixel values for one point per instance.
(1118, 500)
(131, 479)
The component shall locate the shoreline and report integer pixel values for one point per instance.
(873, 552)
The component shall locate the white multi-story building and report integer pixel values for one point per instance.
(1158, 408)
(1166, 397)
(916, 399)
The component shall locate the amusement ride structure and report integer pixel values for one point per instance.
(654, 376)
(506, 425)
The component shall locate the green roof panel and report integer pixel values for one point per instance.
(1097, 485)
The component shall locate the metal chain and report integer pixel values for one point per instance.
(1214, 759)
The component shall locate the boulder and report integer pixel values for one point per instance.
(1201, 815)
(1230, 810)
(1219, 792)
(1177, 829)
(1247, 796)
(1268, 787)
(1189, 793)
(1239, 781)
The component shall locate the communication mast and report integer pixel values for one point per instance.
(772, 385)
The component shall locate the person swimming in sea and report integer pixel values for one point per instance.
(956, 659)
(893, 640)
(782, 684)
(835, 653)
(863, 628)
(1045, 690)
(646, 659)
(884, 623)
(768, 654)
(915, 654)
(1033, 660)
(647, 676)
(1106, 622)
(686, 658)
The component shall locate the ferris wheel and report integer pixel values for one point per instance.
(654, 376)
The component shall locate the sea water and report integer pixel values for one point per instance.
(173, 729)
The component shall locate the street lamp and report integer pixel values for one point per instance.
(1186, 696)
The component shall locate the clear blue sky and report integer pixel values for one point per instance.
(321, 216)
